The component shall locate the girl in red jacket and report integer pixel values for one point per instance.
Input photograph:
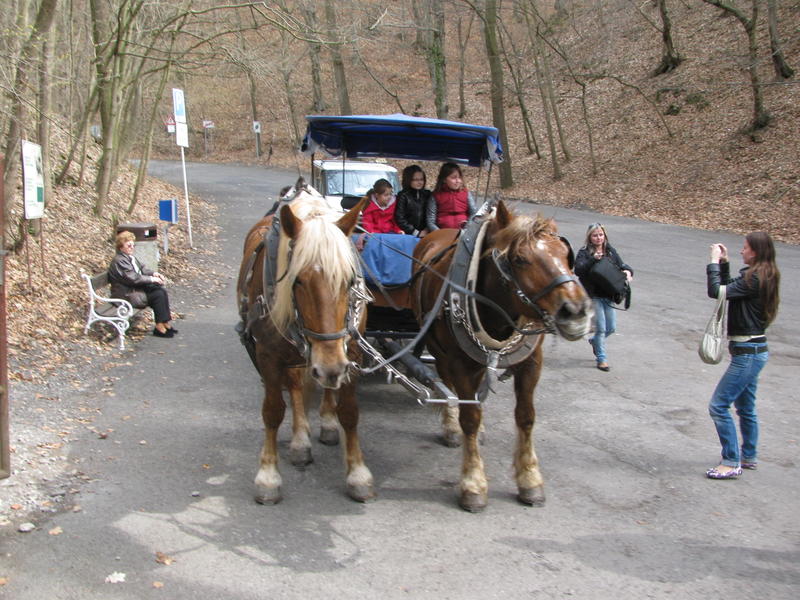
(453, 205)
(378, 217)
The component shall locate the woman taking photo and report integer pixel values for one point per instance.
(596, 249)
(752, 305)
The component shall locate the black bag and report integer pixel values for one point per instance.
(609, 280)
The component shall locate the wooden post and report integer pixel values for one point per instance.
(5, 456)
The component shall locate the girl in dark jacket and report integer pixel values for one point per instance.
(753, 300)
(605, 317)
(412, 202)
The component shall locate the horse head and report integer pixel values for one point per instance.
(527, 255)
(316, 294)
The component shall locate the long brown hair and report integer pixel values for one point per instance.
(765, 269)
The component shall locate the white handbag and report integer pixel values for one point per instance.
(712, 344)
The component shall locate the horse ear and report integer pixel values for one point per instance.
(348, 222)
(502, 215)
(290, 224)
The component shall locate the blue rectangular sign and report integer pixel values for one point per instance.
(168, 210)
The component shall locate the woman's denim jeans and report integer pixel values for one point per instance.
(605, 323)
(738, 387)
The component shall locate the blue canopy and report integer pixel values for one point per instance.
(402, 136)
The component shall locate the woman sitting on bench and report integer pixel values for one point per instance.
(140, 286)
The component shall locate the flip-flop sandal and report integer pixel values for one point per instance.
(713, 473)
(752, 466)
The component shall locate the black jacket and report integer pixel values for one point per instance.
(411, 210)
(584, 263)
(745, 309)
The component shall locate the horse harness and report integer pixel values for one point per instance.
(296, 333)
(461, 304)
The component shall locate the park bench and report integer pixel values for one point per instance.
(115, 311)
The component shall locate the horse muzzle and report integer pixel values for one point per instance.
(574, 319)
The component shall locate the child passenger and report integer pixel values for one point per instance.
(412, 202)
(453, 204)
(378, 216)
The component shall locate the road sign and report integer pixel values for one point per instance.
(208, 124)
(178, 105)
(182, 135)
(170, 123)
(256, 126)
(32, 180)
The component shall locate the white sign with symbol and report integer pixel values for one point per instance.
(256, 126)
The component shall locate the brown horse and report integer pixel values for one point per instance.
(521, 276)
(297, 326)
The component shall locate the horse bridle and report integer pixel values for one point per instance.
(507, 273)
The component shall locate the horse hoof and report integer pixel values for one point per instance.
(329, 437)
(269, 497)
(361, 493)
(300, 457)
(531, 496)
(452, 439)
(472, 502)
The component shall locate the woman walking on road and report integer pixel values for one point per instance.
(752, 305)
(597, 248)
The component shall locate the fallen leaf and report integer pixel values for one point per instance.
(3, 580)
(164, 559)
(116, 577)
(56, 531)
(16, 506)
(158, 585)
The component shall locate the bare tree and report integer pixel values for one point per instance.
(463, 39)
(429, 17)
(497, 88)
(761, 117)
(318, 103)
(40, 29)
(670, 58)
(336, 58)
(782, 69)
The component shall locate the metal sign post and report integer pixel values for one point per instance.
(257, 131)
(182, 139)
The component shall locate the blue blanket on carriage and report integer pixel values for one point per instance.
(383, 262)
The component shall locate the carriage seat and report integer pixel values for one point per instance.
(386, 258)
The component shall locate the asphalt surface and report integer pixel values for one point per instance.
(629, 513)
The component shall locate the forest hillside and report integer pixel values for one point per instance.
(673, 148)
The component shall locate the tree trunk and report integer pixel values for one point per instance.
(141, 173)
(515, 70)
(336, 58)
(782, 69)
(761, 117)
(463, 39)
(45, 110)
(670, 59)
(44, 20)
(429, 19)
(545, 111)
(497, 88)
(548, 86)
(314, 51)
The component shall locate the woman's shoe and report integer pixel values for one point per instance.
(603, 366)
(172, 330)
(714, 473)
(167, 334)
(749, 464)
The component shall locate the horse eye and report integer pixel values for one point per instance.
(520, 260)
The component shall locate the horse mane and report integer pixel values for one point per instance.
(320, 243)
(522, 230)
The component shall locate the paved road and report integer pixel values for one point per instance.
(629, 513)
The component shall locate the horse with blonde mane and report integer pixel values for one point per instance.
(302, 299)
(520, 285)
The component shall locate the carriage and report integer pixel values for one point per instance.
(315, 311)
